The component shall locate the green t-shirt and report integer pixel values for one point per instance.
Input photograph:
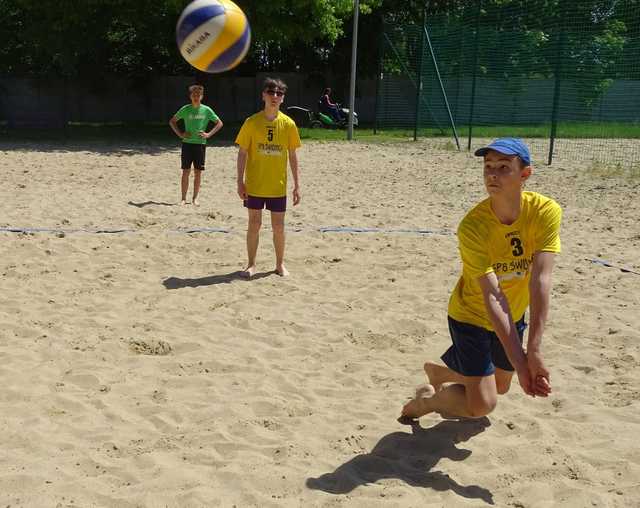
(196, 120)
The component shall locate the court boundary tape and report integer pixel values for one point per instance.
(325, 229)
(604, 262)
(65, 231)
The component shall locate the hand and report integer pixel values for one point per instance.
(296, 196)
(185, 134)
(524, 377)
(539, 374)
(242, 191)
(203, 135)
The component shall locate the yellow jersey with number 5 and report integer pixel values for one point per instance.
(486, 245)
(268, 144)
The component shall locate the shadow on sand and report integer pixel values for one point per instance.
(410, 458)
(227, 278)
(103, 141)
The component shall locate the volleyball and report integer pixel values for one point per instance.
(213, 35)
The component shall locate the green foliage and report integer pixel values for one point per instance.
(88, 39)
(587, 43)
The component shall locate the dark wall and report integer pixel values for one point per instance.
(52, 103)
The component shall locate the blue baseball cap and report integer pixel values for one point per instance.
(508, 146)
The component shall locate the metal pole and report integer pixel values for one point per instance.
(475, 73)
(406, 70)
(354, 53)
(419, 80)
(378, 79)
(556, 88)
(444, 94)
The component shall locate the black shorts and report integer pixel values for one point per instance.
(193, 153)
(477, 351)
(271, 204)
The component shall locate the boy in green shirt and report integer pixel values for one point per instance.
(196, 117)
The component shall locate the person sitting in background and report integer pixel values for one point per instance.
(330, 108)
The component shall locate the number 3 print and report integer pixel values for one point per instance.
(517, 247)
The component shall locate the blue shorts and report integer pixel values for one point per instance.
(271, 204)
(477, 351)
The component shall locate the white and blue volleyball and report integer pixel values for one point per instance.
(213, 35)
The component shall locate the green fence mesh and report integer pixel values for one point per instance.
(564, 75)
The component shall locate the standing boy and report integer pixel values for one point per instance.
(266, 141)
(196, 117)
(507, 244)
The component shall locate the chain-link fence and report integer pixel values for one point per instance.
(564, 75)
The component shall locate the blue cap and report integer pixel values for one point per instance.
(508, 146)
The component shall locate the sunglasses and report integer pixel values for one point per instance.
(272, 92)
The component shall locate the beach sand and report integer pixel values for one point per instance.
(138, 369)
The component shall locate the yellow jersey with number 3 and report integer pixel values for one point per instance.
(268, 144)
(486, 245)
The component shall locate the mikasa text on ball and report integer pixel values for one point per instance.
(213, 35)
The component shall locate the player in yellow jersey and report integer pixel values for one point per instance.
(267, 140)
(507, 244)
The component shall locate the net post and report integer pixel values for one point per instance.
(352, 81)
(444, 94)
(378, 79)
(475, 73)
(557, 85)
(419, 76)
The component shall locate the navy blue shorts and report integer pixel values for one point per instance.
(271, 204)
(477, 351)
(193, 153)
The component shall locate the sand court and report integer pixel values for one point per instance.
(139, 369)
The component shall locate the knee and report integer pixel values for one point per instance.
(427, 366)
(255, 225)
(503, 387)
(482, 407)
(278, 227)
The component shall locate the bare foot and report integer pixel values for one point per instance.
(419, 406)
(425, 390)
(183, 202)
(282, 271)
(416, 408)
(194, 202)
(249, 271)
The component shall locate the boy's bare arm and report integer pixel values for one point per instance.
(218, 125)
(241, 163)
(293, 162)
(174, 126)
(499, 314)
(539, 291)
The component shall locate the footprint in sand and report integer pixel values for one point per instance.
(150, 347)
